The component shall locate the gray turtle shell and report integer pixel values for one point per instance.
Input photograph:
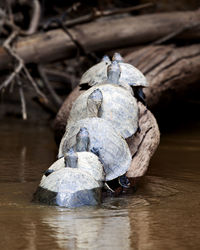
(72, 187)
(113, 149)
(69, 187)
(118, 106)
(87, 162)
(129, 74)
(75, 179)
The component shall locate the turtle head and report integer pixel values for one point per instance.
(71, 158)
(117, 57)
(105, 59)
(94, 102)
(82, 140)
(113, 72)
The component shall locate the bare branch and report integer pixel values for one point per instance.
(55, 98)
(35, 18)
(20, 66)
(6, 45)
(97, 14)
(22, 97)
(34, 84)
(175, 33)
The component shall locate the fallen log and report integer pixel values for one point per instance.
(170, 71)
(142, 145)
(104, 34)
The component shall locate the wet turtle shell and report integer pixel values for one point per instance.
(72, 187)
(118, 106)
(112, 148)
(87, 162)
(129, 75)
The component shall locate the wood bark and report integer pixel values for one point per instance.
(104, 34)
(142, 145)
(170, 71)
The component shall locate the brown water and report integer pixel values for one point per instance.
(162, 214)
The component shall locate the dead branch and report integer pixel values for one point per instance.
(34, 84)
(96, 36)
(22, 98)
(6, 45)
(176, 33)
(20, 66)
(60, 76)
(125, 10)
(54, 97)
(98, 14)
(34, 23)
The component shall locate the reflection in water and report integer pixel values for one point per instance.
(22, 164)
(162, 214)
(101, 230)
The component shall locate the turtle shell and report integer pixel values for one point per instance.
(69, 187)
(118, 106)
(129, 74)
(95, 74)
(112, 148)
(72, 187)
(87, 162)
(75, 179)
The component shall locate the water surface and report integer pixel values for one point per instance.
(162, 214)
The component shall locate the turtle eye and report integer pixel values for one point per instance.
(48, 172)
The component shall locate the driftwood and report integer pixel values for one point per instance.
(98, 35)
(142, 145)
(170, 71)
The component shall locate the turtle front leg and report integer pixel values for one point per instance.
(139, 95)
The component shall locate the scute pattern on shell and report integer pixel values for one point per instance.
(129, 75)
(118, 106)
(99, 71)
(113, 149)
(87, 162)
(69, 180)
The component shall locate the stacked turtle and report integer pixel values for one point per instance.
(93, 149)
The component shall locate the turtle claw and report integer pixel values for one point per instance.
(124, 181)
(106, 186)
(141, 96)
(84, 86)
(48, 172)
(138, 130)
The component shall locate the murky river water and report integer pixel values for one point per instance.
(162, 214)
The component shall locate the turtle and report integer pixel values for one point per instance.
(103, 139)
(110, 102)
(112, 75)
(129, 75)
(74, 180)
(98, 71)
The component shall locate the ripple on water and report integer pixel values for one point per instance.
(162, 214)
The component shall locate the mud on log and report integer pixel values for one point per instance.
(104, 34)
